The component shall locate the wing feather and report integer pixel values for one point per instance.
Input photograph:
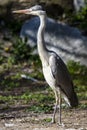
(62, 78)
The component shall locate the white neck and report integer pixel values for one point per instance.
(42, 50)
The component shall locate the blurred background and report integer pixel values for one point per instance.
(22, 85)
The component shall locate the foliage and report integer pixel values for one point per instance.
(79, 76)
(14, 26)
(1, 59)
(78, 72)
(8, 82)
(21, 50)
(79, 19)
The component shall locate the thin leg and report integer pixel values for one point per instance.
(59, 93)
(60, 102)
(56, 105)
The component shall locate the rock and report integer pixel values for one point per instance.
(66, 41)
(9, 124)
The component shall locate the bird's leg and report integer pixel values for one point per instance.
(60, 101)
(59, 93)
(56, 105)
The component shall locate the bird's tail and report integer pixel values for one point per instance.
(74, 100)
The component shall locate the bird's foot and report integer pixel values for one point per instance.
(61, 124)
(53, 120)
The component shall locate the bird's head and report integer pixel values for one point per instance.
(35, 10)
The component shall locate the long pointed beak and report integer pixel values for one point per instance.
(24, 11)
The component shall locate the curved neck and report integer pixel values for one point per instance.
(42, 50)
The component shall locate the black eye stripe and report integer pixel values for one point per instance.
(37, 7)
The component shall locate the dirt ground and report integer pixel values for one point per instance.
(19, 120)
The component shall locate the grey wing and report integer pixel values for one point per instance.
(61, 75)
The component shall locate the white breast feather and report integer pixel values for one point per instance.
(48, 76)
(51, 81)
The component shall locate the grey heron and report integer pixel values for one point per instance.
(54, 69)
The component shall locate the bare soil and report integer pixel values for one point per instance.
(17, 119)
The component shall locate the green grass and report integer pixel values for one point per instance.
(38, 102)
(40, 98)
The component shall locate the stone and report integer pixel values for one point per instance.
(66, 41)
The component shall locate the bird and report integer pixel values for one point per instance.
(54, 69)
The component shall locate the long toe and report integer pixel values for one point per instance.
(61, 124)
(53, 121)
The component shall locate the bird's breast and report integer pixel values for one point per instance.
(49, 76)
